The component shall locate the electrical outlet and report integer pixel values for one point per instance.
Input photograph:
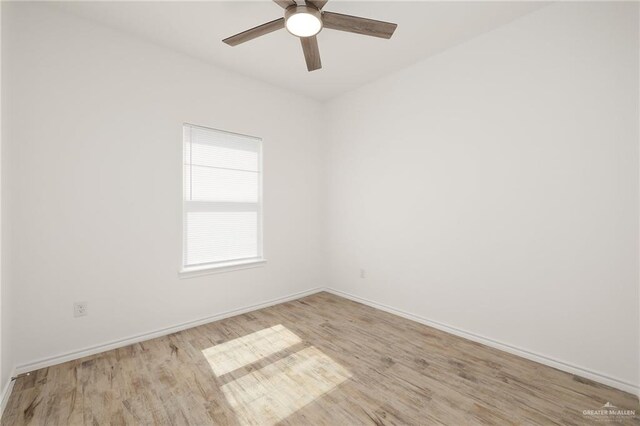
(80, 309)
(363, 273)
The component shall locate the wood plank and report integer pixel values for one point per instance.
(338, 362)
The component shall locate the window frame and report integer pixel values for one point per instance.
(227, 265)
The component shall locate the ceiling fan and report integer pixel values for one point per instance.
(306, 20)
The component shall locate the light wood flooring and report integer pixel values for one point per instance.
(319, 360)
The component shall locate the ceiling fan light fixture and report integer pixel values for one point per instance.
(306, 21)
(303, 21)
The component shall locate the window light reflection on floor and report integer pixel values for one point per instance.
(248, 349)
(272, 393)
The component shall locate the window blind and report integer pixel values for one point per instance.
(222, 197)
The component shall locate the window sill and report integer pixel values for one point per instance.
(221, 268)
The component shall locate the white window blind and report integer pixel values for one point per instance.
(222, 198)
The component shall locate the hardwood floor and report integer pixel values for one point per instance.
(320, 360)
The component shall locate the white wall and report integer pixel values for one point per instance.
(3, 376)
(93, 157)
(494, 187)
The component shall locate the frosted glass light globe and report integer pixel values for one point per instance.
(303, 21)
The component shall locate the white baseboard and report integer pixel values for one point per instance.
(92, 350)
(6, 392)
(542, 359)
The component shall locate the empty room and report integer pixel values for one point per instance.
(312, 212)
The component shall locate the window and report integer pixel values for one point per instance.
(222, 199)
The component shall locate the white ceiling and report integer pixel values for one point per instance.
(348, 60)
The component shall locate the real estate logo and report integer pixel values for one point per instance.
(609, 413)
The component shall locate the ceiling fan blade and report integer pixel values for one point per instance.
(311, 52)
(355, 24)
(285, 3)
(318, 4)
(258, 31)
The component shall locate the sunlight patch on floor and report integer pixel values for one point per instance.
(271, 394)
(245, 350)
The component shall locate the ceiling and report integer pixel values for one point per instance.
(348, 60)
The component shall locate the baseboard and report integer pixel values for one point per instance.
(542, 359)
(92, 350)
(6, 392)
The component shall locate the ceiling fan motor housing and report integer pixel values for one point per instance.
(303, 21)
